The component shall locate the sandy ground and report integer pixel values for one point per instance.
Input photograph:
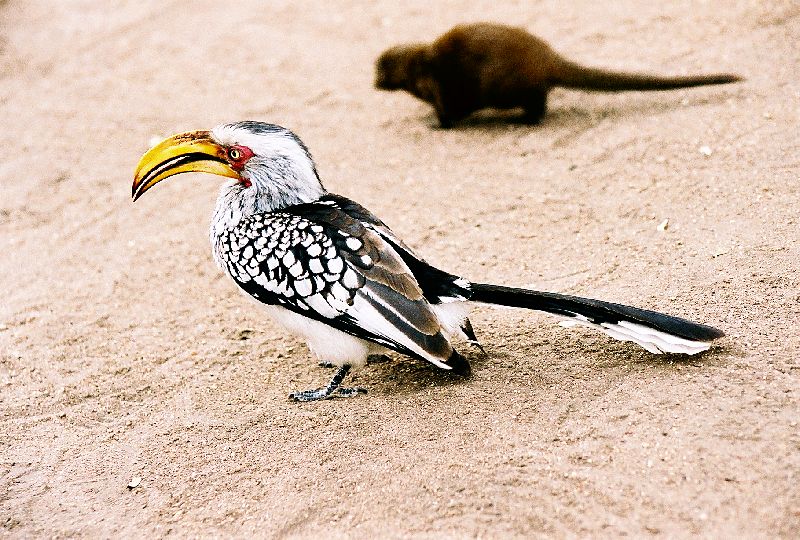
(125, 352)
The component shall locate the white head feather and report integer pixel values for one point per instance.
(281, 171)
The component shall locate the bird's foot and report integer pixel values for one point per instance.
(330, 389)
(350, 392)
(322, 393)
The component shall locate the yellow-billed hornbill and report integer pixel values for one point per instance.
(335, 274)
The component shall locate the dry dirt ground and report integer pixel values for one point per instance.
(126, 354)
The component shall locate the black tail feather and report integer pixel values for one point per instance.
(596, 311)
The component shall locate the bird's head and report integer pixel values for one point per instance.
(270, 166)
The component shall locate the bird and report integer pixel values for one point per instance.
(333, 273)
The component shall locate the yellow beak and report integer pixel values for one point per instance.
(194, 151)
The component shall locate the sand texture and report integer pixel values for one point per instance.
(125, 354)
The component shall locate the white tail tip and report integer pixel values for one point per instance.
(652, 340)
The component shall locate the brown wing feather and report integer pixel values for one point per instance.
(388, 284)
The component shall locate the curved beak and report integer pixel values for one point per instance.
(194, 151)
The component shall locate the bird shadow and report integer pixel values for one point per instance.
(401, 375)
(619, 354)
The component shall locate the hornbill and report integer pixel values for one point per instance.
(332, 272)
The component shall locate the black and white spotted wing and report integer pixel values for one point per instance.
(318, 260)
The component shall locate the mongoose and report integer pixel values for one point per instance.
(474, 66)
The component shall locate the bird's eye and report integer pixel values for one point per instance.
(235, 154)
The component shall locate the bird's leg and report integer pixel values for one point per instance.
(329, 389)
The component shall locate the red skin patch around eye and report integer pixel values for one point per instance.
(238, 164)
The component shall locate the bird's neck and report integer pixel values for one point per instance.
(237, 202)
